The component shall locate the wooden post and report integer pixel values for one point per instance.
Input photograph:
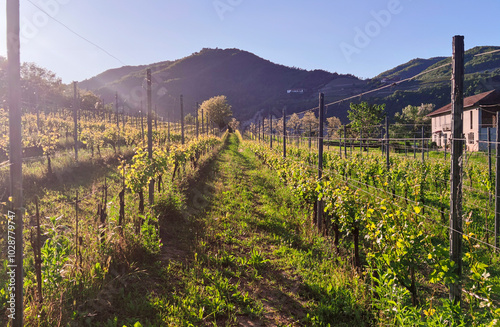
(142, 124)
(150, 136)
(456, 169)
(382, 143)
(490, 179)
(284, 132)
(340, 143)
(387, 161)
(168, 129)
(270, 130)
(75, 118)
(319, 221)
(15, 217)
(116, 112)
(38, 253)
(415, 146)
(259, 131)
(361, 141)
(497, 187)
(77, 236)
(423, 145)
(345, 141)
(263, 130)
(121, 195)
(197, 122)
(202, 123)
(182, 119)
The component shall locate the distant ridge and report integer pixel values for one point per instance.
(255, 86)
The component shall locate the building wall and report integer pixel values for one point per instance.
(441, 129)
(472, 123)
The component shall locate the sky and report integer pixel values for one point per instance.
(83, 38)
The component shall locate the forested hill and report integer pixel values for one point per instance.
(251, 83)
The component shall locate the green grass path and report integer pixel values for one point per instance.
(244, 255)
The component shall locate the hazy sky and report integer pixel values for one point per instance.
(361, 37)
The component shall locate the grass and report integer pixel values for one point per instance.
(245, 254)
(236, 249)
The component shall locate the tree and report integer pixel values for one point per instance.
(189, 119)
(411, 119)
(217, 110)
(334, 125)
(309, 123)
(89, 102)
(234, 124)
(294, 123)
(41, 83)
(364, 117)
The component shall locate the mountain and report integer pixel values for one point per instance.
(482, 73)
(251, 83)
(254, 85)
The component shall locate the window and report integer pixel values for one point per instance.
(471, 138)
(471, 120)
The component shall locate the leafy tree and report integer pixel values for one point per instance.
(189, 119)
(279, 125)
(234, 124)
(89, 101)
(217, 110)
(40, 82)
(294, 123)
(363, 117)
(309, 123)
(334, 125)
(411, 119)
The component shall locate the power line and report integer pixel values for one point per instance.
(375, 90)
(77, 34)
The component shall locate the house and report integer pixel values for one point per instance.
(479, 115)
(300, 91)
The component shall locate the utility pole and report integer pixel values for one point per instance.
(457, 104)
(15, 216)
(150, 136)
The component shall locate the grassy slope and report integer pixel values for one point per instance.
(245, 254)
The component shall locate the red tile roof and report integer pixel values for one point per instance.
(485, 98)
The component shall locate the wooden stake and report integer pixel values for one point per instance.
(319, 221)
(38, 254)
(270, 130)
(284, 132)
(197, 122)
(150, 136)
(75, 118)
(182, 120)
(497, 188)
(456, 168)
(15, 154)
